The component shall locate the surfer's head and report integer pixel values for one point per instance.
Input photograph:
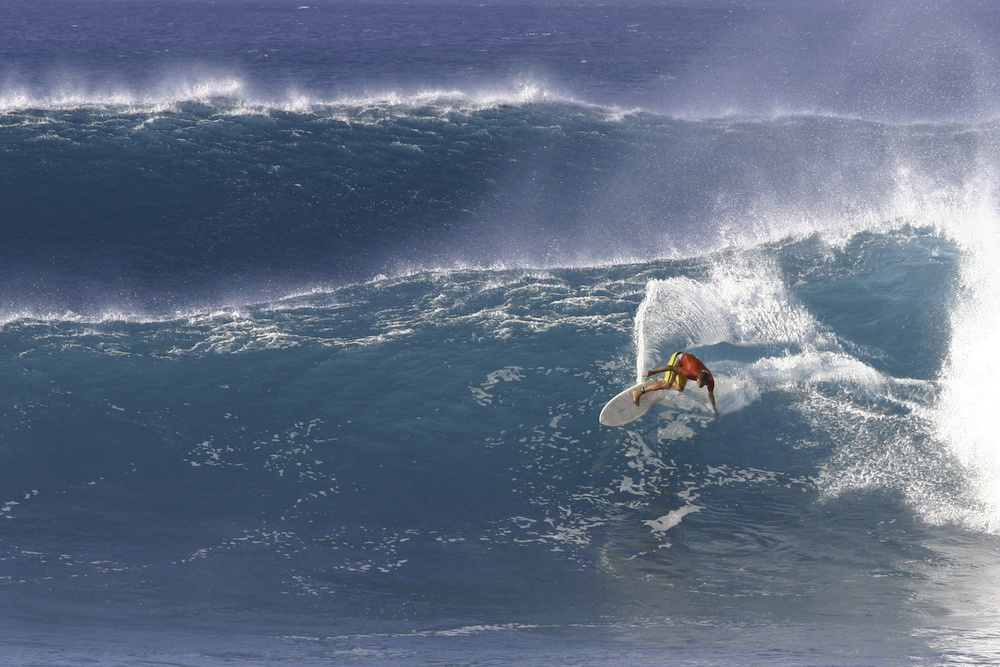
(704, 378)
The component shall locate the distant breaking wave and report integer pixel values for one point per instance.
(205, 195)
(232, 94)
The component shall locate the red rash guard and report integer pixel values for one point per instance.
(690, 366)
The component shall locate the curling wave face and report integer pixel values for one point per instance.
(253, 443)
(193, 209)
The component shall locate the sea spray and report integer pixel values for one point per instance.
(741, 301)
(966, 414)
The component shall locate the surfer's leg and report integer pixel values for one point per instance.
(637, 393)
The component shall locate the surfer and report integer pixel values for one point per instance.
(682, 367)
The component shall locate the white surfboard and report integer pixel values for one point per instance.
(622, 409)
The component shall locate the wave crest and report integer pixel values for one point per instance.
(231, 93)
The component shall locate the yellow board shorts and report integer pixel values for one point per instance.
(674, 379)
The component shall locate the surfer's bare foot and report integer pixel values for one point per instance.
(636, 394)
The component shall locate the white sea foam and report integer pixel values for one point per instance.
(671, 519)
(965, 417)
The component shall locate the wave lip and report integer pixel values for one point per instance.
(233, 93)
(965, 414)
(161, 97)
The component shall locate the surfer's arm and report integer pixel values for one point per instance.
(663, 369)
(711, 397)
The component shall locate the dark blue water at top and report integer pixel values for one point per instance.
(611, 55)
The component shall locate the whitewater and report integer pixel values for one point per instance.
(307, 312)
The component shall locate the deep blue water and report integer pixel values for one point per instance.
(307, 312)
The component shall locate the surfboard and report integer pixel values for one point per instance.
(622, 409)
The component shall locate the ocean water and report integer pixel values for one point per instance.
(308, 309)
